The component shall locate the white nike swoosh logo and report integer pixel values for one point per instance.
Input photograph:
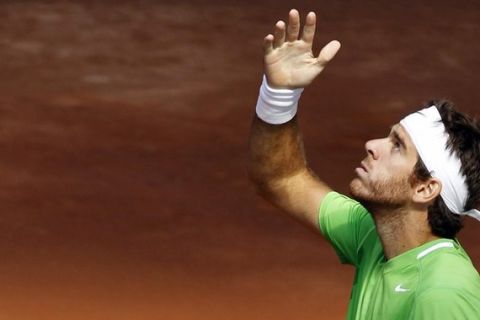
(400, 289)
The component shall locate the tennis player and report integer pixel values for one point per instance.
(408, 198)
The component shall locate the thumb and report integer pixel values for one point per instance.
(328, 52)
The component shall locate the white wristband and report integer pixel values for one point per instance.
(277, 106)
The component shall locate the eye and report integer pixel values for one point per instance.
(396, 145)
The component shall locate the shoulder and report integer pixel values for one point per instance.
(336, 203)
(348, 226)
(449, 287)
(450, 269)
(339, 211)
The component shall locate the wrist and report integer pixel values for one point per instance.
(277, 106)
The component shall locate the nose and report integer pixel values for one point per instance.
(371, 146)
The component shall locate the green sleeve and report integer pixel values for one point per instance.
(345, 223)
(445, 304)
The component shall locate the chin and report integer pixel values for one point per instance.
(359, 193)
(357, 190)
(379, 196)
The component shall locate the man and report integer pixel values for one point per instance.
(411, 191)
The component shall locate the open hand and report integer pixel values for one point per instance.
(289, 61)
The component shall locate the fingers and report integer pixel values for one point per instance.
(328, 52)
(268, 43)
(291, 33)
(279, 34)
(293, 27)
(309, 28)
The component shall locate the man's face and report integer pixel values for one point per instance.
(382, 178)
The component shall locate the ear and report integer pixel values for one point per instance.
(426, 192)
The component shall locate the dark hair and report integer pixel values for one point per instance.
(464, 141)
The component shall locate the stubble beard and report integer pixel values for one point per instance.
(390, 194)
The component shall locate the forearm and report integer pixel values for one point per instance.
(275, 152)
(276, 147)
(279, 170)
(277, 163)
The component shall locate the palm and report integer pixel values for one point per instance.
(289, 61)
(292, 65)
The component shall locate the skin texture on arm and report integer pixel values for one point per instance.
(278, 167)
(277, 163)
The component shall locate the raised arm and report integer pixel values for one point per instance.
(277, 163)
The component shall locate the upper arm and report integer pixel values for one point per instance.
(300, 195)
(344, 222)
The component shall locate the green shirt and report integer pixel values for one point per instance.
(434, 281)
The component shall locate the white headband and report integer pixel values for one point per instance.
(428, 134)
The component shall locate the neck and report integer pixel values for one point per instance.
(402, 229)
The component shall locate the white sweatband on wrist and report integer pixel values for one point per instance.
(430, 138)
(277, 106)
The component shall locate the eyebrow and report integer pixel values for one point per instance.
(397, 137)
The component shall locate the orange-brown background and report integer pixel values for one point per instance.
(123, 133)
